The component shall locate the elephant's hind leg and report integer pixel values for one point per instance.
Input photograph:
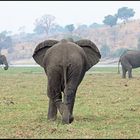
(69, 99)
(69, 95)
(54, 104)
(123, 72)
(130, 72)
(126, 66)
(54, 94)
(52, 110)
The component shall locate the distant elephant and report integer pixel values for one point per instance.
(3, 60)
(65, 64)
(129, 60)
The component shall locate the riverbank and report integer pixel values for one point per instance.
(31, 62)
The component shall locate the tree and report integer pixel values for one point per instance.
(44, 24)
(56, 29)
(110, 20)
(81, 30)
(22, 29)
(5, 40)
(70, 28)
(82, 27)
(39, 29)
(105, 50)
(138, 45)
(96, 25)
(3, 35)
(125, 13)
(118, 52)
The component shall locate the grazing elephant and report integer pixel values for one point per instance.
(3, 60)
(65, 63)
(129, 60)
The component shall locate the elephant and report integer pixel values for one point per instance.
(129, 60)
(3, 60)
(65, 63)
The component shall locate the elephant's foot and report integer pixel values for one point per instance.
(52, 118)
(52, 115)
(123, 77)
(5, 68)
(65, 115)
(67, 118)
(71, 119)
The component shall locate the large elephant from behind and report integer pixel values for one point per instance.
(65, 63)
(129, 60)
(3, 61)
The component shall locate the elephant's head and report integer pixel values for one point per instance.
(90, 49)
(3, 60)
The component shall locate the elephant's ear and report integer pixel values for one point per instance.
(41, 49)
(91, 50)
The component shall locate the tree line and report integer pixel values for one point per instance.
(123, 14)
(46, 25)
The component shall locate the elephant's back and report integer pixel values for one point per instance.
(65, 53)
(131, 55)
(133, 58)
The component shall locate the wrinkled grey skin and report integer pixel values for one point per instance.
(129, 60)
(3, 60)
(65, 64)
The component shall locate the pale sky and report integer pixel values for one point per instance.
(15, 14)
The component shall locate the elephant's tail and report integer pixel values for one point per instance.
(120, 59)
(65, 77)
(118, 66)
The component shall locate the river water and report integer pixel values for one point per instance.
(97, 65)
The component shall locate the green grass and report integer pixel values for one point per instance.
(106, 106)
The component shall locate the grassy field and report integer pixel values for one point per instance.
(106, 106)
